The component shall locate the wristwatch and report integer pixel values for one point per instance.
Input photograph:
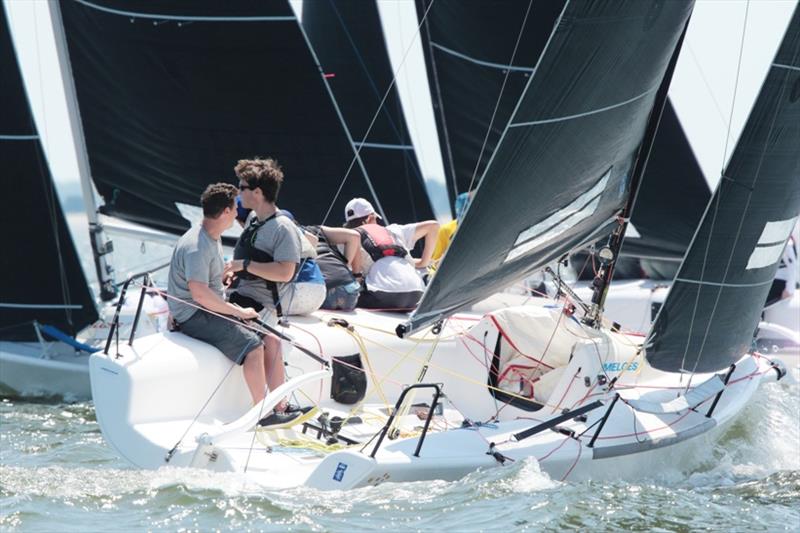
(245, 264)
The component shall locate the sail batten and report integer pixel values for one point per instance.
(708, 319)
(600, 57)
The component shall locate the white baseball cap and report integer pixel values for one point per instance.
(357, 208)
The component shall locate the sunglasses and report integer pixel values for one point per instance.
(247, 187)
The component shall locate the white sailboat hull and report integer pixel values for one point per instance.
(172, 400)
(52, 369)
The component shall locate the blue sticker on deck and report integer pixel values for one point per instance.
(339, 474)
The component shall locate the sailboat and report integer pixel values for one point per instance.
(438, 394)
(49, 321)
(150, 183)
(478, 68)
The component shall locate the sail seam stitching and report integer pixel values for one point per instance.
(788, 67)
(716, 284)
(587, 113)
(281, 18)
(480, 62)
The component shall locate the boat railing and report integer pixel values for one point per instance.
(385, 429)
(113, 332)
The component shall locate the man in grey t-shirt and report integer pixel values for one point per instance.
(195, 277)
(267, 253)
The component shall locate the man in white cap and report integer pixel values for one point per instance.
(392, 282)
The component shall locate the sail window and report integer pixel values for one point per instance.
(770, 245)
(580, 209)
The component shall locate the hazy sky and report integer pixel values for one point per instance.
(702, 90)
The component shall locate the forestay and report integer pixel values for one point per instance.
(708, 319)
(173, 93)
(672, 196)
(563, 168)
(41, 272)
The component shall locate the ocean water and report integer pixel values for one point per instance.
(57, 474)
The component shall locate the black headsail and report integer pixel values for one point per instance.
(469, 46)
(41, 272)
(708, 319)
(563, 167)
(172, 93)
(348, 39)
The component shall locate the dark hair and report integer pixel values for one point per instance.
(266, 174)
(356, 222)
(216, 198)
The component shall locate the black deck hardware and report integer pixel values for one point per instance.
(719, 394)
(324, 432)
(603, 421)
(557, 420)
(385, 429)
(115, 321)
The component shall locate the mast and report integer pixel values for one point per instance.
(100, 245)
(609, 253)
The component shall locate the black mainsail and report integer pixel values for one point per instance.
(708, 319)
(171, 94)
(562, 171)
(348, 40)
(42, 276)
(475, 86)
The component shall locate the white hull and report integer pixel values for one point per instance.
(52, 369)
(149, 404)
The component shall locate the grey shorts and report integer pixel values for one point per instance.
(233, 340)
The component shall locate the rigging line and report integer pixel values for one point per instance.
(415, 170)
(500, 97)
(357, 155)
(742, 218)
(715, 201)
(708, 85)
(441, 119)
(193, 18)
(343, 124)
(735, 89)
(363, 65)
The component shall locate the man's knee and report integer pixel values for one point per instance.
(255, 355)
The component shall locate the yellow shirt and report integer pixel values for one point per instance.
(446, 232)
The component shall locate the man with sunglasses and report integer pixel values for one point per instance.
(266, 258)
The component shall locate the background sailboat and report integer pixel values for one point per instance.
(44, 295)
(347, 38)
(170, 96)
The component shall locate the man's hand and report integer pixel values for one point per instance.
(247, 313)
(232, 267)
